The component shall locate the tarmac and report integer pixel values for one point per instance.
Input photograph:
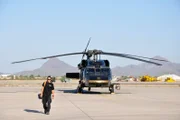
(130, 103)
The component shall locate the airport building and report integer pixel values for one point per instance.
(5, 76)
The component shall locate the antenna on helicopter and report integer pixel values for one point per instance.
(86, 48)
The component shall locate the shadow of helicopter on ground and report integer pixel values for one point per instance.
(74, 91)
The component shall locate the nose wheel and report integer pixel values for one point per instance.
(80, 87)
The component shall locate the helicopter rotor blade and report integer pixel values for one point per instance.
(130, 57)
(61, 55)
(146, 57)
(86, 47)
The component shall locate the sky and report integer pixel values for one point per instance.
(38, 28)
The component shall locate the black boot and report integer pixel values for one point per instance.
(47, 113)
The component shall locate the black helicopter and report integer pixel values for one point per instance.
(94, 71)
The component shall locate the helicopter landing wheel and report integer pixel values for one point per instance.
(89, 88)
(111, 89)
(79, 88)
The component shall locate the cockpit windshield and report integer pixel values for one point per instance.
(99, 71)
(96, 63)
(90, 70)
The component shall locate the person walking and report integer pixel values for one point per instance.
(47, 94)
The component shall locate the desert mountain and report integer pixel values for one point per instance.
(148, 69)
(54, 67)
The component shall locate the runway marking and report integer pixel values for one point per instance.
(78, 107)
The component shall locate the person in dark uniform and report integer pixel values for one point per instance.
(47, 94)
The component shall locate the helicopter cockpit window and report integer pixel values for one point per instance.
(105, 70)
(97, 71)
(90, 70)
(97, 63)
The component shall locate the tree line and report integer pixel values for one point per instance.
(27, 77)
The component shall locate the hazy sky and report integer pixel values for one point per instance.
(37, 28)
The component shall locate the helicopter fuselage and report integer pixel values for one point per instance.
(96, 74)
(96, 79)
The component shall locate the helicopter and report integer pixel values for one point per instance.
(94, 71)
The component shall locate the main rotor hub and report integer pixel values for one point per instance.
(93, 52)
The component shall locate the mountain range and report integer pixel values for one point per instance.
(56, 67)
(148, 69)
